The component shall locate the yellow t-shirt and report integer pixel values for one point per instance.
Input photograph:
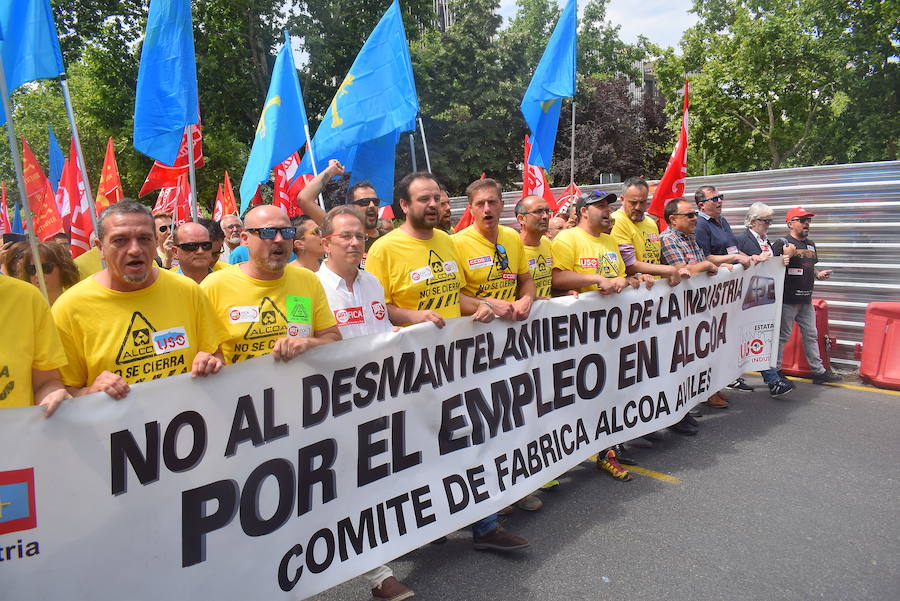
(643, 236)
(88, 263)
(540, 264)
(576, 250)
(256, 313)
(31, 341)
(418, 274)
(145, 335)
(481, 262)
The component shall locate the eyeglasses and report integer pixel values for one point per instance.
(502, 258)
(348, 236)
(716, 198)
(766, 221)
(539, 212)
(193, 246)
(363, 202)
(47, 268)
(164, 228)
(689, 214)
(269, 233)
(802, 219)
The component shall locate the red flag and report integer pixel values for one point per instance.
(5, 227)
(568, 197)
(72, 185)
(182, 202)
(165, 176)
(386, 212)
(534, 180)
(257, 198)
(218, 210)
(284, 173)
(672, 183)
(110, 189)
(40, 197)
(64, 199)
(229, 204)
(465, 221)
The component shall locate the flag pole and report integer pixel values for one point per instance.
(572, 152)
(192, 178)
(82, 166)
(309, 148)
(425, 144)
(412, 151)
(20, 180)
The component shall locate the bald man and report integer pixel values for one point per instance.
(266, 305)
(193, 249)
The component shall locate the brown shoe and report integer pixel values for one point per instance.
(499, 540)
(723, 396)
(391, 589)
(529, 503)
(716, 402)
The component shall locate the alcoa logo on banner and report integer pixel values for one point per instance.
(17, 513)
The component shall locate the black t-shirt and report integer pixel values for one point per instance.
(801, 273)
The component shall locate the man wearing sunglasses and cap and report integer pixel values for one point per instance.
(266, 305)
(193, 250)
(798, 286)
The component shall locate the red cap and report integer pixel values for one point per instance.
(797, 212)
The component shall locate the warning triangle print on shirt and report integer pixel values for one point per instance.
(438, 267)
(137, 343)
(496, 272)
(272, 322)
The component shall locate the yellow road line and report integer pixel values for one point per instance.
(848, 386)
(657, 475)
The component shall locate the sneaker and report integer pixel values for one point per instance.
(499, 540)
(716, 402)
(641, 443)
(684, 428)
(529, 503)
(826, 377)
(550, 485)
(623, 457)
(739, 384)
(391, 589)
(609, 464)
(781, 387)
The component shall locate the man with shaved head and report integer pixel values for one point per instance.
(266, 305)
(193, 249)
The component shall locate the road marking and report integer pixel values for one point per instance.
(851, 386)
(657, 475)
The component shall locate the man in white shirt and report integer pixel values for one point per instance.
(357, 300)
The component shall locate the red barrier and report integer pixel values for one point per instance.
(880, 359)
(794, 361)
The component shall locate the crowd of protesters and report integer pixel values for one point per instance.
(297, 284)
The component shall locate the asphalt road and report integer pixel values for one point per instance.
(779, 499)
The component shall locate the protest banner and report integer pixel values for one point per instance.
(275, 481)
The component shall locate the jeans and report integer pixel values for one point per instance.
(486, 525)
(770, 376)
(805, 317)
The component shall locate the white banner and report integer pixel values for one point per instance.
(275, 481)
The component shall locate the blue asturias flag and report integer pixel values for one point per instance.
(376, 101)
(280, 131)
(28, 43)
(553, 80)
(17, 227)
(166, 96)
(56, 159)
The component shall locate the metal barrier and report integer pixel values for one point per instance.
(856, 229)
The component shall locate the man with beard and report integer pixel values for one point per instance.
(133, 322)
(445, 224)
(798, 287)
(420, 272)
(193, 249)
(232, 227)
(266, 305)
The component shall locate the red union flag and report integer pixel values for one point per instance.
(41, 199)
(286, 187)
(534, 180)
(5, 227)
(110, 189)
(672, 183)
(166, 176)
(568, 197)
(71, 184)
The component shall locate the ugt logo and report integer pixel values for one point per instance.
(17, 504)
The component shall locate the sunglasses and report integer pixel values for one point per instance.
(363, 202)
(802, 219)
(348, 236)
(716, 198)
(766, 221)
(193, 246)
(689, 214)
(502, 258)
(269, 233)
(47, 268)
(313, 232)
(164, 228)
